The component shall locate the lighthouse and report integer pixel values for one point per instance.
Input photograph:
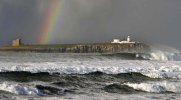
(128, 40)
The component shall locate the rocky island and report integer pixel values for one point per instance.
(116, 46)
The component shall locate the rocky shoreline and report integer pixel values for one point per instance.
(81, 48)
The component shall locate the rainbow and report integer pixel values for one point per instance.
(50, 21)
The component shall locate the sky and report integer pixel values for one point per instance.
(86, 21)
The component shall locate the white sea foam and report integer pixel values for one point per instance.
(154, 69)
(164, 56)
(74, 63)
(157, 87)
(18, 89)
(114, 96)
(164, 53)
(65, 63)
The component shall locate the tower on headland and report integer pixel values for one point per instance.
(128, 40)
(16, 42)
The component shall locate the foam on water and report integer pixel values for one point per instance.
(154, 69)
(164, 56)
(164, 53)
(18, 89)
(157, 87)
(114, 96)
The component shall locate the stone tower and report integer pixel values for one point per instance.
(16, 42)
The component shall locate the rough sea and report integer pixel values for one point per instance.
(57, 76)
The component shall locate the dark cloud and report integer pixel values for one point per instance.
(20, 19)
(151, 21)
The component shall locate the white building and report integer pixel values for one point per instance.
(128, 40)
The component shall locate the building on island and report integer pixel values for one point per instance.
(16, 42)
(128, 40)
(116, 46)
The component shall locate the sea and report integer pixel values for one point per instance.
(71, 76)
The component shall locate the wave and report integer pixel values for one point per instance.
(49, 90)
(164, 53)
(153, 69)
(63, 84)
(161, 53)
(21, 76)
(129, 56)
(134, 77)
(156, 55)
(118, 88)
(72, 79)
(157, 87)
(160, 56)
(40, 90)
(18, 89)
(125, 88)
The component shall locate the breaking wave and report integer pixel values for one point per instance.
(156, 55)
(154, 69)
(119, 88)
(26, 83)
(68, 75)
(18, 89)
(165, 53)
(161, 53)
(93, 76)
(62, 84)
(157, 87)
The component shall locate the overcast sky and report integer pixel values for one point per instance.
(150, 21)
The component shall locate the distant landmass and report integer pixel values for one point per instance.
(116, 46)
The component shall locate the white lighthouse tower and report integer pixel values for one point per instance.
(128, 39)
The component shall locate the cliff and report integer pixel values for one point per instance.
(83, 48)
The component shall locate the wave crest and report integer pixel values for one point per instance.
(157, 87)
(118, 88)
(18, 89)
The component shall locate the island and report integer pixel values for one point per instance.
(116, 46)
